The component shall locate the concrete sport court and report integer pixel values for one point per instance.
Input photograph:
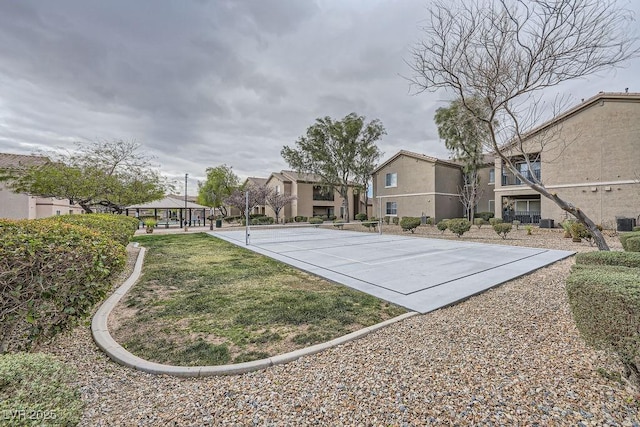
(417, 273)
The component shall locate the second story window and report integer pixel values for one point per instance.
(322, 193)
(391, 180)
(492, 176)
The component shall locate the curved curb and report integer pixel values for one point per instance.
(117, 353)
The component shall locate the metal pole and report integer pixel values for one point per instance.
(186, 175)
(246, 218)
(380, 217)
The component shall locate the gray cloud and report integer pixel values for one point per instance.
(202, 83)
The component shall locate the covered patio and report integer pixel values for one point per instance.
(171, 211)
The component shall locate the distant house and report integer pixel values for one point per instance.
(313, 199)
(412, 184)
(24, 206)
(591, 159)
(257, 182)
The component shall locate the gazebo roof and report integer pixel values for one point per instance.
(167, 203)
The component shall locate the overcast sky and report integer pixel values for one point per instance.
(202, 83)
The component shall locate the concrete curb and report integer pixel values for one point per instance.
(117, 353)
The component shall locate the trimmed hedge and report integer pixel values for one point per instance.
(263, 220)
(361, 216)
(41, 387)
(479, 222)
(459, 226)
(316, 220)
(117, 227)
(486, 216)
(625, 236)
(443, 225)
(625, 259)
(606, 307)
(410, 223)
(633, 244)
(494, 221)
(51, 276)
(502, 229)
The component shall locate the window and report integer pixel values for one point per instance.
(392, 208)
(322, 193)
(492, 176)
(57, 212)
(277, 189)
(391, 180)
(492, 206)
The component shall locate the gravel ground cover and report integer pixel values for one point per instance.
(511, 356)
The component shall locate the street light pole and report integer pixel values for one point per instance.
(186, 175)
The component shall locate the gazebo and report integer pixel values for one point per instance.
(172, 211)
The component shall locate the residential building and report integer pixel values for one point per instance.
(412, 184)
(313, 199)
(590, 157)
(24, 206)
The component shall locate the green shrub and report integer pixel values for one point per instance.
(633, 244)
(149, 222)
(232, 219)
(502, 228)
(636, 228)
(339, 223)
(53, 274)
(409, 223)
(516, 223)
(443, 225)
(624, 236)
(361, 216)
(396, 220)
(262, 220)
(36, 389)
(494, 221)
(117, 227)
(529, 229)
(626, 259)
(316, 220)
(332, 217)
(579, 231)
(486, 216)
(479, 222)
(372, 223)
(429, 221)
(606, 308)
(459, 226)
(387, 219)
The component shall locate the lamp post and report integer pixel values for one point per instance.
(186, 175)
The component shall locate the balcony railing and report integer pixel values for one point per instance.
(510, 179)
(525, 217)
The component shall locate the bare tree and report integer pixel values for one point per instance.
(506, 52)
(257, 197)
(278, 201)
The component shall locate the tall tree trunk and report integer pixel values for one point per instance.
(598, 238)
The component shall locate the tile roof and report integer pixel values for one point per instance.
(8, 160)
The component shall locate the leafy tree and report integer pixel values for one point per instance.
(111, 174)
(464, 136)
(339, 152)
(220, 183)
(278, 201)
(506, 53)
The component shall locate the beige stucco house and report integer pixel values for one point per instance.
(591, 158)
(312, 198)
(23, 206)
(412, 184)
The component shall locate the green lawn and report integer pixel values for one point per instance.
(203, 301)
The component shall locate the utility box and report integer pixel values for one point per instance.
(546, 223)
(625, 224)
